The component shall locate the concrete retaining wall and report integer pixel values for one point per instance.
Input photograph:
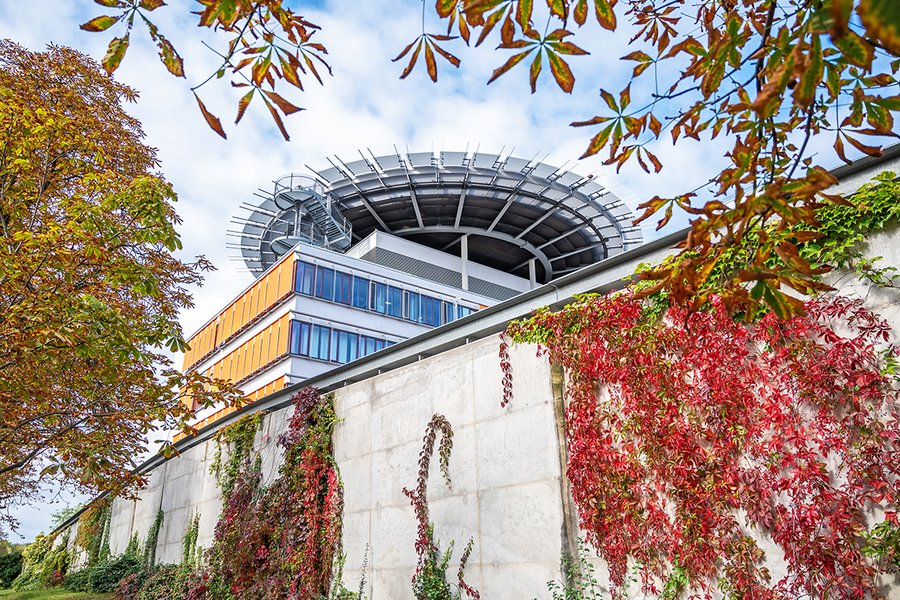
(508, 493)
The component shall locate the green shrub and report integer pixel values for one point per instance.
(104, 576)
(79, 581)
(166, 583)
(10, 567)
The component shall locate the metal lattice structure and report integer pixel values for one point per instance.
(520, 216)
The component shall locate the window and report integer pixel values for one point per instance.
(361, 292)
(448, 312)
(366, 345)
(343, 287)
(318, 347)
(299, 338)
(325, 283)
(306, 273)
(395, 302)
(352, 347)
(304, 339)
(333, 345)
(378, 299)
(335, 334)
(431, 311)
(462, 311)
(413, 308)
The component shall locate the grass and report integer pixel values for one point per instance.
(54, 594)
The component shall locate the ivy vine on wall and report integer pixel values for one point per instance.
(280, 541)
(686, 430)
(92, 533)
(237, 439)
(430, 579)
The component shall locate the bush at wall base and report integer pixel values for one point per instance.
(10, 567)
(105, 576)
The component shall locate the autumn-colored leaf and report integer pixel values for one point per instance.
(770, 97)
(881, 19)
(151, 5)
(114, 54)
(523, 13)
(580, 12)
(610, 100)
(654, 125)
(277, 118)
(430, 64)
(453, 60)
(606, 14)
(567, 48)
(856, 50)
(657, 166)
(211, 119)
(445, 8)
(865, 149)
(489, 25)
(559, 8)
(285, 106)
(561, 71)
(535, 71)
(312, 68)
(840, 16)
(625, 97)
(509, 64)
(170, 58)
(805, 91)
(412, 59)
(101, 23)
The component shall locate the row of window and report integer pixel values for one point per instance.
(360, 292)
(325, 343)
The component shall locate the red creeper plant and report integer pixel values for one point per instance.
(687, 430)
(280, 542)
(429, 581)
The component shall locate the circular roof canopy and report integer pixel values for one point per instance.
(512, 210)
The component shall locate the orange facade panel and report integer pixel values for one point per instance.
(255, 353)
(262, 392)
(258, 299)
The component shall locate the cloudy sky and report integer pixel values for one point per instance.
(364, 105)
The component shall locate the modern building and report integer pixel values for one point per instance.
(358, 257)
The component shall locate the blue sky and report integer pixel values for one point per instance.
(364, 105)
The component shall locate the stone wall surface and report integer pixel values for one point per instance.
(505, 471)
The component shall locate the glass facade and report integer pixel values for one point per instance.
(362, 293)
(331, 344)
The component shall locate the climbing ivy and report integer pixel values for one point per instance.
(280, 541)
(92, 527)
(238, 438)
(190, 553)
(148, 556)
(44, 563)
(686, 427)
(430, 579)
(685, 430)
(844, 228)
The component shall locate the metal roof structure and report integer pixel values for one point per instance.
(516, 214)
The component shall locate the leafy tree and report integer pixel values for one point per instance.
(770, 74)
(89, 288)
